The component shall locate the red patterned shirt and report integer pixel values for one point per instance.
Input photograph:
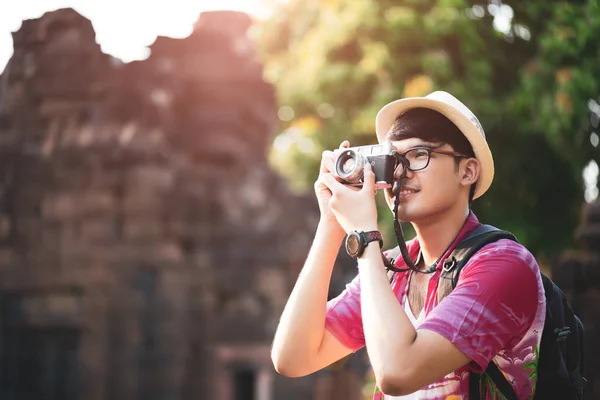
(496, 312)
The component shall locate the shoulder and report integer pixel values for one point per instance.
(504, 265)
(506, 253)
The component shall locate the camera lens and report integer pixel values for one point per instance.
(349, 166)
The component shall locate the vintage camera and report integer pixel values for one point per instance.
(350, 163)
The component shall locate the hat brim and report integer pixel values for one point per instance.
(388, 114)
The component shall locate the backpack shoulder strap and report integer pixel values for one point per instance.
(392, 255)
(471, 244)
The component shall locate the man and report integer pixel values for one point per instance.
(418, 349)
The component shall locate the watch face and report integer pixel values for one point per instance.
(352, 244)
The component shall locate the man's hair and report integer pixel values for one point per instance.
(431, 126)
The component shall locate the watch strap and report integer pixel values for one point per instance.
(372, 236)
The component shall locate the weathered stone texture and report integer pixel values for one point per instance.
(146, 247)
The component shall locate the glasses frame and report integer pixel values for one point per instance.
(429, 150)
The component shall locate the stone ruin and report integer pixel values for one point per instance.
(146, 246)
(578, 274)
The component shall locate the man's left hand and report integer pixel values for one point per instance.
(354, 207)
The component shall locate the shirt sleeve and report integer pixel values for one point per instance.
(493, 304)
(344, 319)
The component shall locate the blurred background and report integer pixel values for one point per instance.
(157, 162)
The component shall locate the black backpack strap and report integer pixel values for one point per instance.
(474, 386)
(477, 391)
(471, 244)
(392, 255)
(501, 383)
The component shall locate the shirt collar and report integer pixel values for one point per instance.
(414, 247)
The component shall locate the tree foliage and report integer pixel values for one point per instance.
(528, 70)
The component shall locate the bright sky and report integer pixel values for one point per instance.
(123, 27)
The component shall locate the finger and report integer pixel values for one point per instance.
(332, 183)
(328, 161)
(329, 164)
(345, 144)
(369, 178)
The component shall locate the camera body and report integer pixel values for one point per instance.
(349, 166)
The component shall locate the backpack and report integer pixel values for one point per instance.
(560, 362)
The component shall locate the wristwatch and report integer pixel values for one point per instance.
(356, 242)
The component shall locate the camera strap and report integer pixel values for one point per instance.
(398, 227)
(389, 264)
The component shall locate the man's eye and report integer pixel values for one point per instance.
(420, 153)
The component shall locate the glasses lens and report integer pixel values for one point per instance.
(417, 159)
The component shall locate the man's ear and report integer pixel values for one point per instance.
(469, 172)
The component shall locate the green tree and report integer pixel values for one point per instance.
(560, 85)
(335, 63)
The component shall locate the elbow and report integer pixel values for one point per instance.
(280, 366)
(395, 384)
(287, 371)
(287, 368)
(391, 386)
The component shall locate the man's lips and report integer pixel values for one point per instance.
(404, 191)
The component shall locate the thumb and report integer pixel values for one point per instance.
(369, 178)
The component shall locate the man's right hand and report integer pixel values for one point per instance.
(323, 193)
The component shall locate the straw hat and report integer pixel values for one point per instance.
(456, 112)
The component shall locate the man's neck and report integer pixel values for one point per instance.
(435, 236)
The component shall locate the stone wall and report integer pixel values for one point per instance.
(146, 247)
(578, 274)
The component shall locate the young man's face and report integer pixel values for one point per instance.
(430, 192)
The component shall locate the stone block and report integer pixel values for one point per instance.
(144, 228)
(70, 205)
(98, 230)
(99, 202)
(60, 206)
(168, 252)
(149, 178)
(143, 203)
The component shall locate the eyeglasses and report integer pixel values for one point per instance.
(418, 158)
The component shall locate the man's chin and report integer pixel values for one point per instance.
(403, 214)
(408, 214)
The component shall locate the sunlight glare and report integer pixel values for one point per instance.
(590, 177)
(125, 29)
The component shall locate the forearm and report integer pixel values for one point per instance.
(388, 331)
(302, 325)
